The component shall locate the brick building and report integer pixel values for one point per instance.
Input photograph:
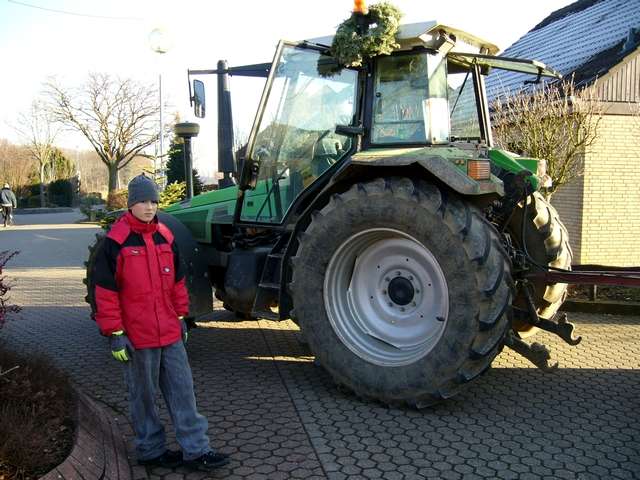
(595, 40)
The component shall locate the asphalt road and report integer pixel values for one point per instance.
(280, 416)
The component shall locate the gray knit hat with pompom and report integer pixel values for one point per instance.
(142, 189)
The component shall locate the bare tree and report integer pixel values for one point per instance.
(39, 131)
(557, 122)
(16, 165)
(117, 116)
(93, 172)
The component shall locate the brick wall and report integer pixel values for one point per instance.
(606, 230)
(568, 200)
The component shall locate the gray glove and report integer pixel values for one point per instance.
(121, 347)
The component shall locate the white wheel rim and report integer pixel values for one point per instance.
(386, 297)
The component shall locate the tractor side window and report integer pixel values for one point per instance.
(296, 141)
(462, 105)
(410, 100)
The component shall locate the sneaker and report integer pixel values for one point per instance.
(207, 462)
(169, 459)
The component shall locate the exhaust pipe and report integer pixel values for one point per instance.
(226, 164)
(187, 130)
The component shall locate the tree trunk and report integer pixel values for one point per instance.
(42, 200)
(113, 177)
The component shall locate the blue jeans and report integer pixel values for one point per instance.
(167, 368)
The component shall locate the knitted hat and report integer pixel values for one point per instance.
(6, 185)
(142, 189)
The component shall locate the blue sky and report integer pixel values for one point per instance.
(112, 36)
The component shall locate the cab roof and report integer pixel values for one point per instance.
(426, 33)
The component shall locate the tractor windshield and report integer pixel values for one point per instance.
(295, 140)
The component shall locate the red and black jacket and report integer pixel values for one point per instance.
(140, 285)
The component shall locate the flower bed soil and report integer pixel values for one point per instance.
(36, 416)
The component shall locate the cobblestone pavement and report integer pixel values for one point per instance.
(280, 416)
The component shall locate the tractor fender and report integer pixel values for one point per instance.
(383, 163)
(194, 264)
(442, 163)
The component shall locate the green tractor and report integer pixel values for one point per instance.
(371, 209)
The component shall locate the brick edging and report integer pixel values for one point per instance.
(99, 450)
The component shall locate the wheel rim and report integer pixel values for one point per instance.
(386, 297)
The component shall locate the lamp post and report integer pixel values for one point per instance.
(159, 42)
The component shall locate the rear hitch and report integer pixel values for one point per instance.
(536, 353)
(559, 325)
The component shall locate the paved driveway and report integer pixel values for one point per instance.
(280, 416)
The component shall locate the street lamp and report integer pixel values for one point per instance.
(160, 43)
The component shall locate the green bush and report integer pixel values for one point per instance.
(33, 189)
(33, 201)
(60, 193)
(91, 198)
(174, 192)
(106, 219)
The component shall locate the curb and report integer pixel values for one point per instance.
(29, 211)
(601, 306)
(99, 450)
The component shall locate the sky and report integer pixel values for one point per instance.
(67, 39)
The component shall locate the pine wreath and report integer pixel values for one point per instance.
(351, 48)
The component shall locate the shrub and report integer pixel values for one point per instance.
(174, 192)
(106, 219)
(60, 193)
(5, 286)
(91, 198)
(117, 199)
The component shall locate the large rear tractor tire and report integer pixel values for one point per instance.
(547, 242)
(403, 291)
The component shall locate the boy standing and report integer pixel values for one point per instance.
(141, 298)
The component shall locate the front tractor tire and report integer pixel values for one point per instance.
(402, 290)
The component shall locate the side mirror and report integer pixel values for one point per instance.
(199, 108)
